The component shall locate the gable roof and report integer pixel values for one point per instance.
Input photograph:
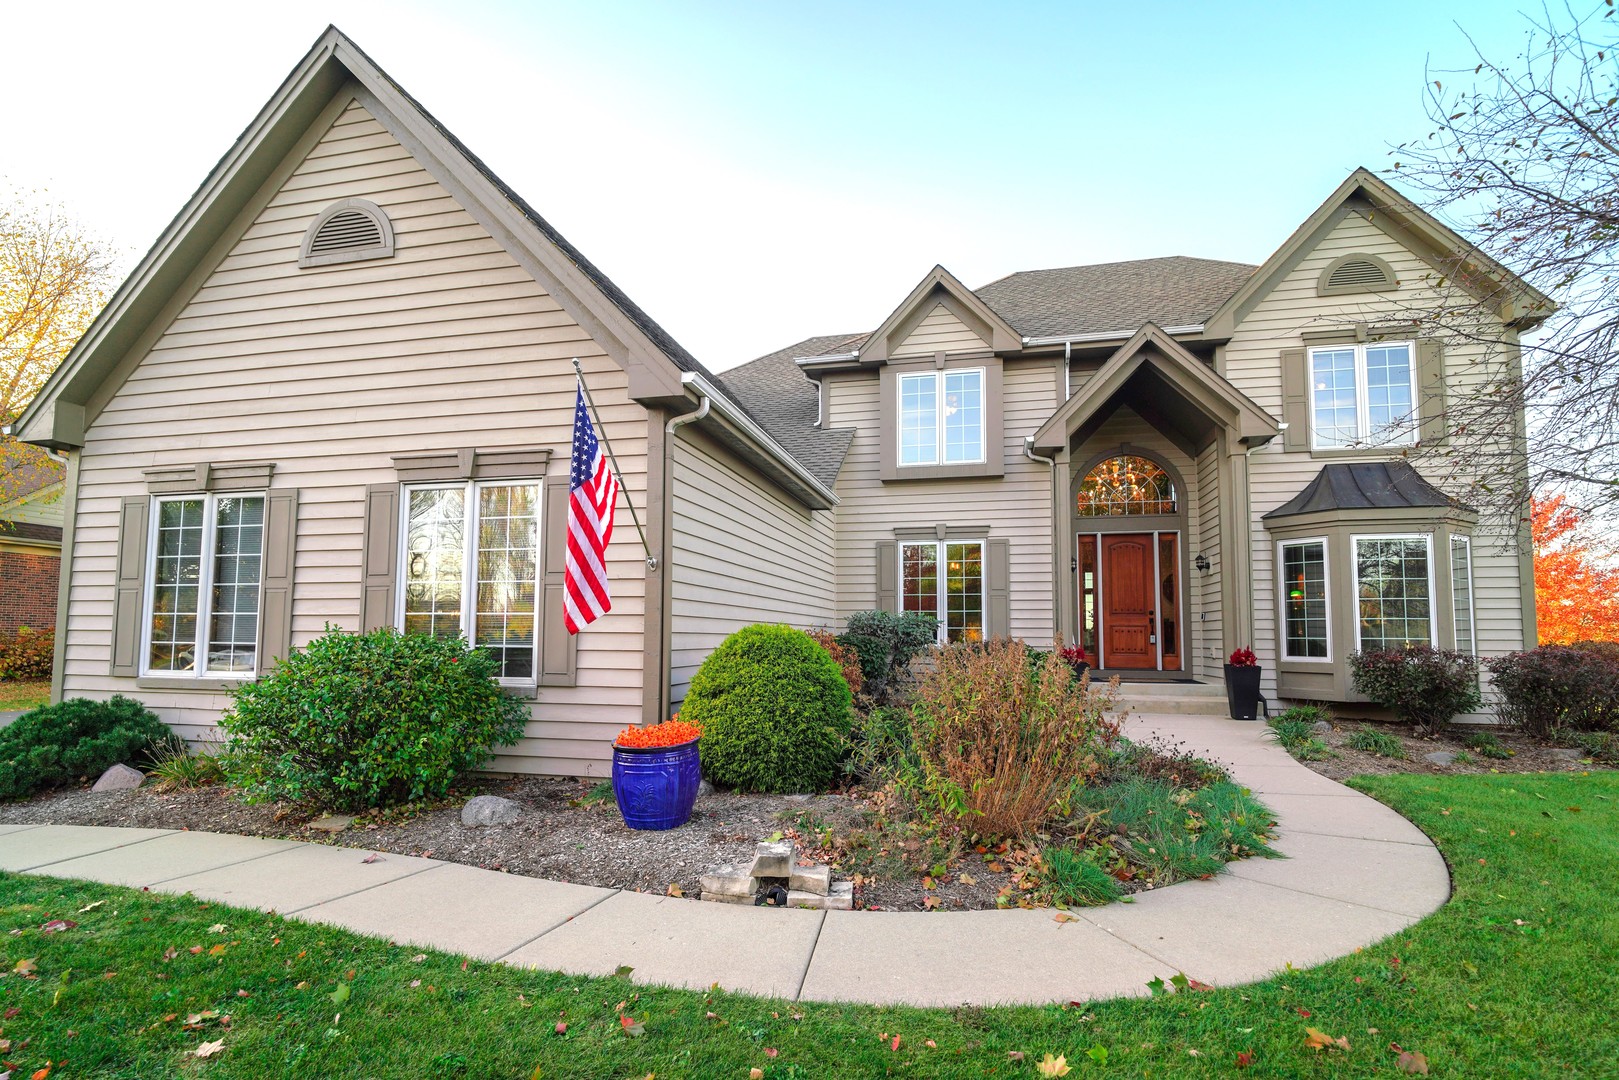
(939, 286)
(1175, 291)
(333, 71)
(788, 405)
(1366, 485)
(1519, 303)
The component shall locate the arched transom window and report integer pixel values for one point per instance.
(1125, 485)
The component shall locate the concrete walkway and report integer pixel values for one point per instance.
(1356, 873)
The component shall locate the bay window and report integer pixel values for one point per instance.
(203, 585)
(941, 417)
(471, 568)
(1362, 393)
(1305, 620)
(945, 579)
(1393, 591)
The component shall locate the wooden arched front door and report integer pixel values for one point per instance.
(1128, 598)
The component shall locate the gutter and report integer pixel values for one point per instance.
(829, 358)
(1109, 335)
(744, 425)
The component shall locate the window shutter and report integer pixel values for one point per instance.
(275, 589)
(127, 602)
(380, 557)
(1295, 399)
(1431, 390)
(559, 650)
(999, 573)
(888, 575)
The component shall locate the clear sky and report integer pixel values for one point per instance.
(754, 173)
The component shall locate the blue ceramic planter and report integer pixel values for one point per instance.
(656, 786)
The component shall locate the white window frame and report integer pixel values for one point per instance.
(937, 377)
(1406, 436)
(1281, 595)
(469, 561)
(1354, 570)
(941, 597)
(205, 585)
(1472, 602)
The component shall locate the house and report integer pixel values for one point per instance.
(30, 539)
(339, 392)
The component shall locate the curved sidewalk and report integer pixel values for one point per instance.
(1356, 873)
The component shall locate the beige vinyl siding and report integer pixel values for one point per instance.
(1208, 625)
(328, 372)
(1253, 365)
(1016, 507)
(742, 553)
(939, 331)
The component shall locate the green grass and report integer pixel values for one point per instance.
(22, 695)
(1486, 744)
(1075, 879)
(1176, 835)
(1298, 738)
(1382, 743)
(1516, 977)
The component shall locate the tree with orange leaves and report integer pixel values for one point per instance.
(1576, 576)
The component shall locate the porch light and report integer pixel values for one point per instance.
(1201, 562)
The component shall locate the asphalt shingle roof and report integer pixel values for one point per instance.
(776, 393)
(1114, 297)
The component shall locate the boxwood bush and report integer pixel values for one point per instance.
(774, 710)
(57, 744)
(362, 720)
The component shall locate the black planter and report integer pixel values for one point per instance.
(1242, 691)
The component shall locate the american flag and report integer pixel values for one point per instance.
(592, 494)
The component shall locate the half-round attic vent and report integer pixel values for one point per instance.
(347, 231)
(1357, 273)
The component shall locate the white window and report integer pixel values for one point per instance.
(1461, 593)
(941, 418)
(945, 580)
(1306, 622)
(471, 569)
(203, 585)
(1393, 591)
(1362, 393)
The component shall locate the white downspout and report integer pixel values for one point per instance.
(688, 418)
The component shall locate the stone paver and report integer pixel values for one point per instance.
(683, 943)
(481, 913)
(1357, 873)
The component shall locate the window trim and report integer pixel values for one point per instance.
(1281, 596)
(938, 376)
(469, 561)
(1472, 601)
(941, 597)
(205, 585)
(1410, 428)
(1354, 570)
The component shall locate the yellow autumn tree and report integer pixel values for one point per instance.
(54, 278)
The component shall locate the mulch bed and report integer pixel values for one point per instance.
(1528, 754)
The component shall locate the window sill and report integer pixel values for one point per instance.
(523, 692)
(1375, 453)
(977, 470)
(212, 686)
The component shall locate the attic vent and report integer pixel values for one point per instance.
(1357, 273)
(347, 231)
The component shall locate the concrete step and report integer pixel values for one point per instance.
(1173, 706)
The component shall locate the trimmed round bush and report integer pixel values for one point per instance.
(57, 744)
(1558, 688)
(1419, 684)
(362, 720)
(774, 711)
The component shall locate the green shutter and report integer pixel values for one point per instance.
(1295, 399)
(998, 574)
(275, 590)
(559, 650)
(888, 575)
(380, 556)
(131, 594)
(1431, 391)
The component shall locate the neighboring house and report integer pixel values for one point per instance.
(30, 542)
(338, 392)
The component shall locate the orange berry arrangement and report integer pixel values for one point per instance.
(669, 733)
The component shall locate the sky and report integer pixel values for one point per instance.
(754, 174)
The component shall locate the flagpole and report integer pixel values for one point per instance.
(590, 402)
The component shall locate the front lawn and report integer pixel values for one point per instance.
(1515, 977)
(25, 694)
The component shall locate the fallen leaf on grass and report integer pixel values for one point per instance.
(340, 995)
(895, 1044)
(418, 958)
(302, 986)
(632, 1027)
(25, 967)
(209, 1049)
(561, 1028)
(56, 926)
(217, 928)
(1053, 1066)
(40, 1074)
(1014, 1055)
(756, 1074)
(170, 953)
(1316, 1039)
(771, 1051)
(91, 906)
(1245, 1058)
(623, 971)
(1097, 1054)
(1410, 1061)
(217, 950)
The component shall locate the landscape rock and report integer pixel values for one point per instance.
(1321, 727)
(331, 823)
(1440, 757)
(704, 789)
(726, 898)
(483, 810)
(1563, 753)
(811, 879)
(841, 898)
(120, 778)
(730, 879)
(799, 798)
(772, 860)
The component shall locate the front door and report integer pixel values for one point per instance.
(1128, 602)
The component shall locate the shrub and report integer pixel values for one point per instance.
(1297, 736)
(1485, 744)
(887, 643)
(1309, 714)
(174, 768)
(1419, 684)
(1155, 759)
(28, 654)
(1074, 878)
(774, 710)
(1600, 746)
(1558, 688)
(1000, 747)
(363, 720)
(1382, 743)
(56, 744)
(880, 746)
(848, 660)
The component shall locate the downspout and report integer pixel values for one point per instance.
(1056, 533)
(666, 535)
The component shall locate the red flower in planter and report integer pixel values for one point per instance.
(669, 733)
(1244, 658)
